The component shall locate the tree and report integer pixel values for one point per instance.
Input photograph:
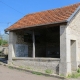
(3, 42)
(4, 38)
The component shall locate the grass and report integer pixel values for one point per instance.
(37, 73)
(48, 71)
(28, 68)
(21, 67)
(10, 67)
(74, 75)
(62, 75)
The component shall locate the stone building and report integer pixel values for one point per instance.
(47, 40)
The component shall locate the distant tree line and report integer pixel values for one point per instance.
(3, 42)
(3, 39)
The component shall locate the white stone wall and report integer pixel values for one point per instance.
(65, 61)
(69, 32)
(12, 41)
(74, 32)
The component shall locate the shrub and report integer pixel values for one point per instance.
(78, 70)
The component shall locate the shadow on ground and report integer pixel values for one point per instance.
(3, 59)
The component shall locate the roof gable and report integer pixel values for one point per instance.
(46, 17)
(75, 12)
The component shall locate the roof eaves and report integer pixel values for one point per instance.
(75, 12)
(64, 21)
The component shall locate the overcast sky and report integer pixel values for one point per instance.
(12, 10)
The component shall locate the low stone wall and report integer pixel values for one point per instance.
(4, 50)
(39, 63)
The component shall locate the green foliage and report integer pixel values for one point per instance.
(78, 70)
(62, 75)
(28, 67)
(0, 41)
(10, 67)
(37, 73)
(48, 71)
(3, 42)
(74, 75)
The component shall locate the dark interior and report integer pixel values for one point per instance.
(47, 42)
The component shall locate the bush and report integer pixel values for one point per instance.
(78, 70)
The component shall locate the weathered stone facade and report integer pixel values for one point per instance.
(70, 45)
(40, 64)
(41, 48)
(74, 31)
(69, 49)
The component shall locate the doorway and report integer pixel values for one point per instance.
(73, 55)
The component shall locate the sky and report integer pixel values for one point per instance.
(13, 10)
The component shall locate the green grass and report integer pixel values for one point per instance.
(28, 68)
(74, 75)
(21, 67)
(37, 73)
(10, 67)
(48, 71)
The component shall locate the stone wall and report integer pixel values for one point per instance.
(40, 64)
(20, 40)
(4, 50)
(70, 57)
(74, 32)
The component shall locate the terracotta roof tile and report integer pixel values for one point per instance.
(45, 17)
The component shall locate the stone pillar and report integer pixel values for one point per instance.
(12, 41)
(33, 45)
(65, 56)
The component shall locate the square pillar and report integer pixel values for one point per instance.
(33, 45)
(12, 42)
(65, 56)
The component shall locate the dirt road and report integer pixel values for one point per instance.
(12, 74)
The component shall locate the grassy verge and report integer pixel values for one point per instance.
(74, 75)
(48, 71)
(37, 73)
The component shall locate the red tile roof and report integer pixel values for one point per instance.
(45, 17)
